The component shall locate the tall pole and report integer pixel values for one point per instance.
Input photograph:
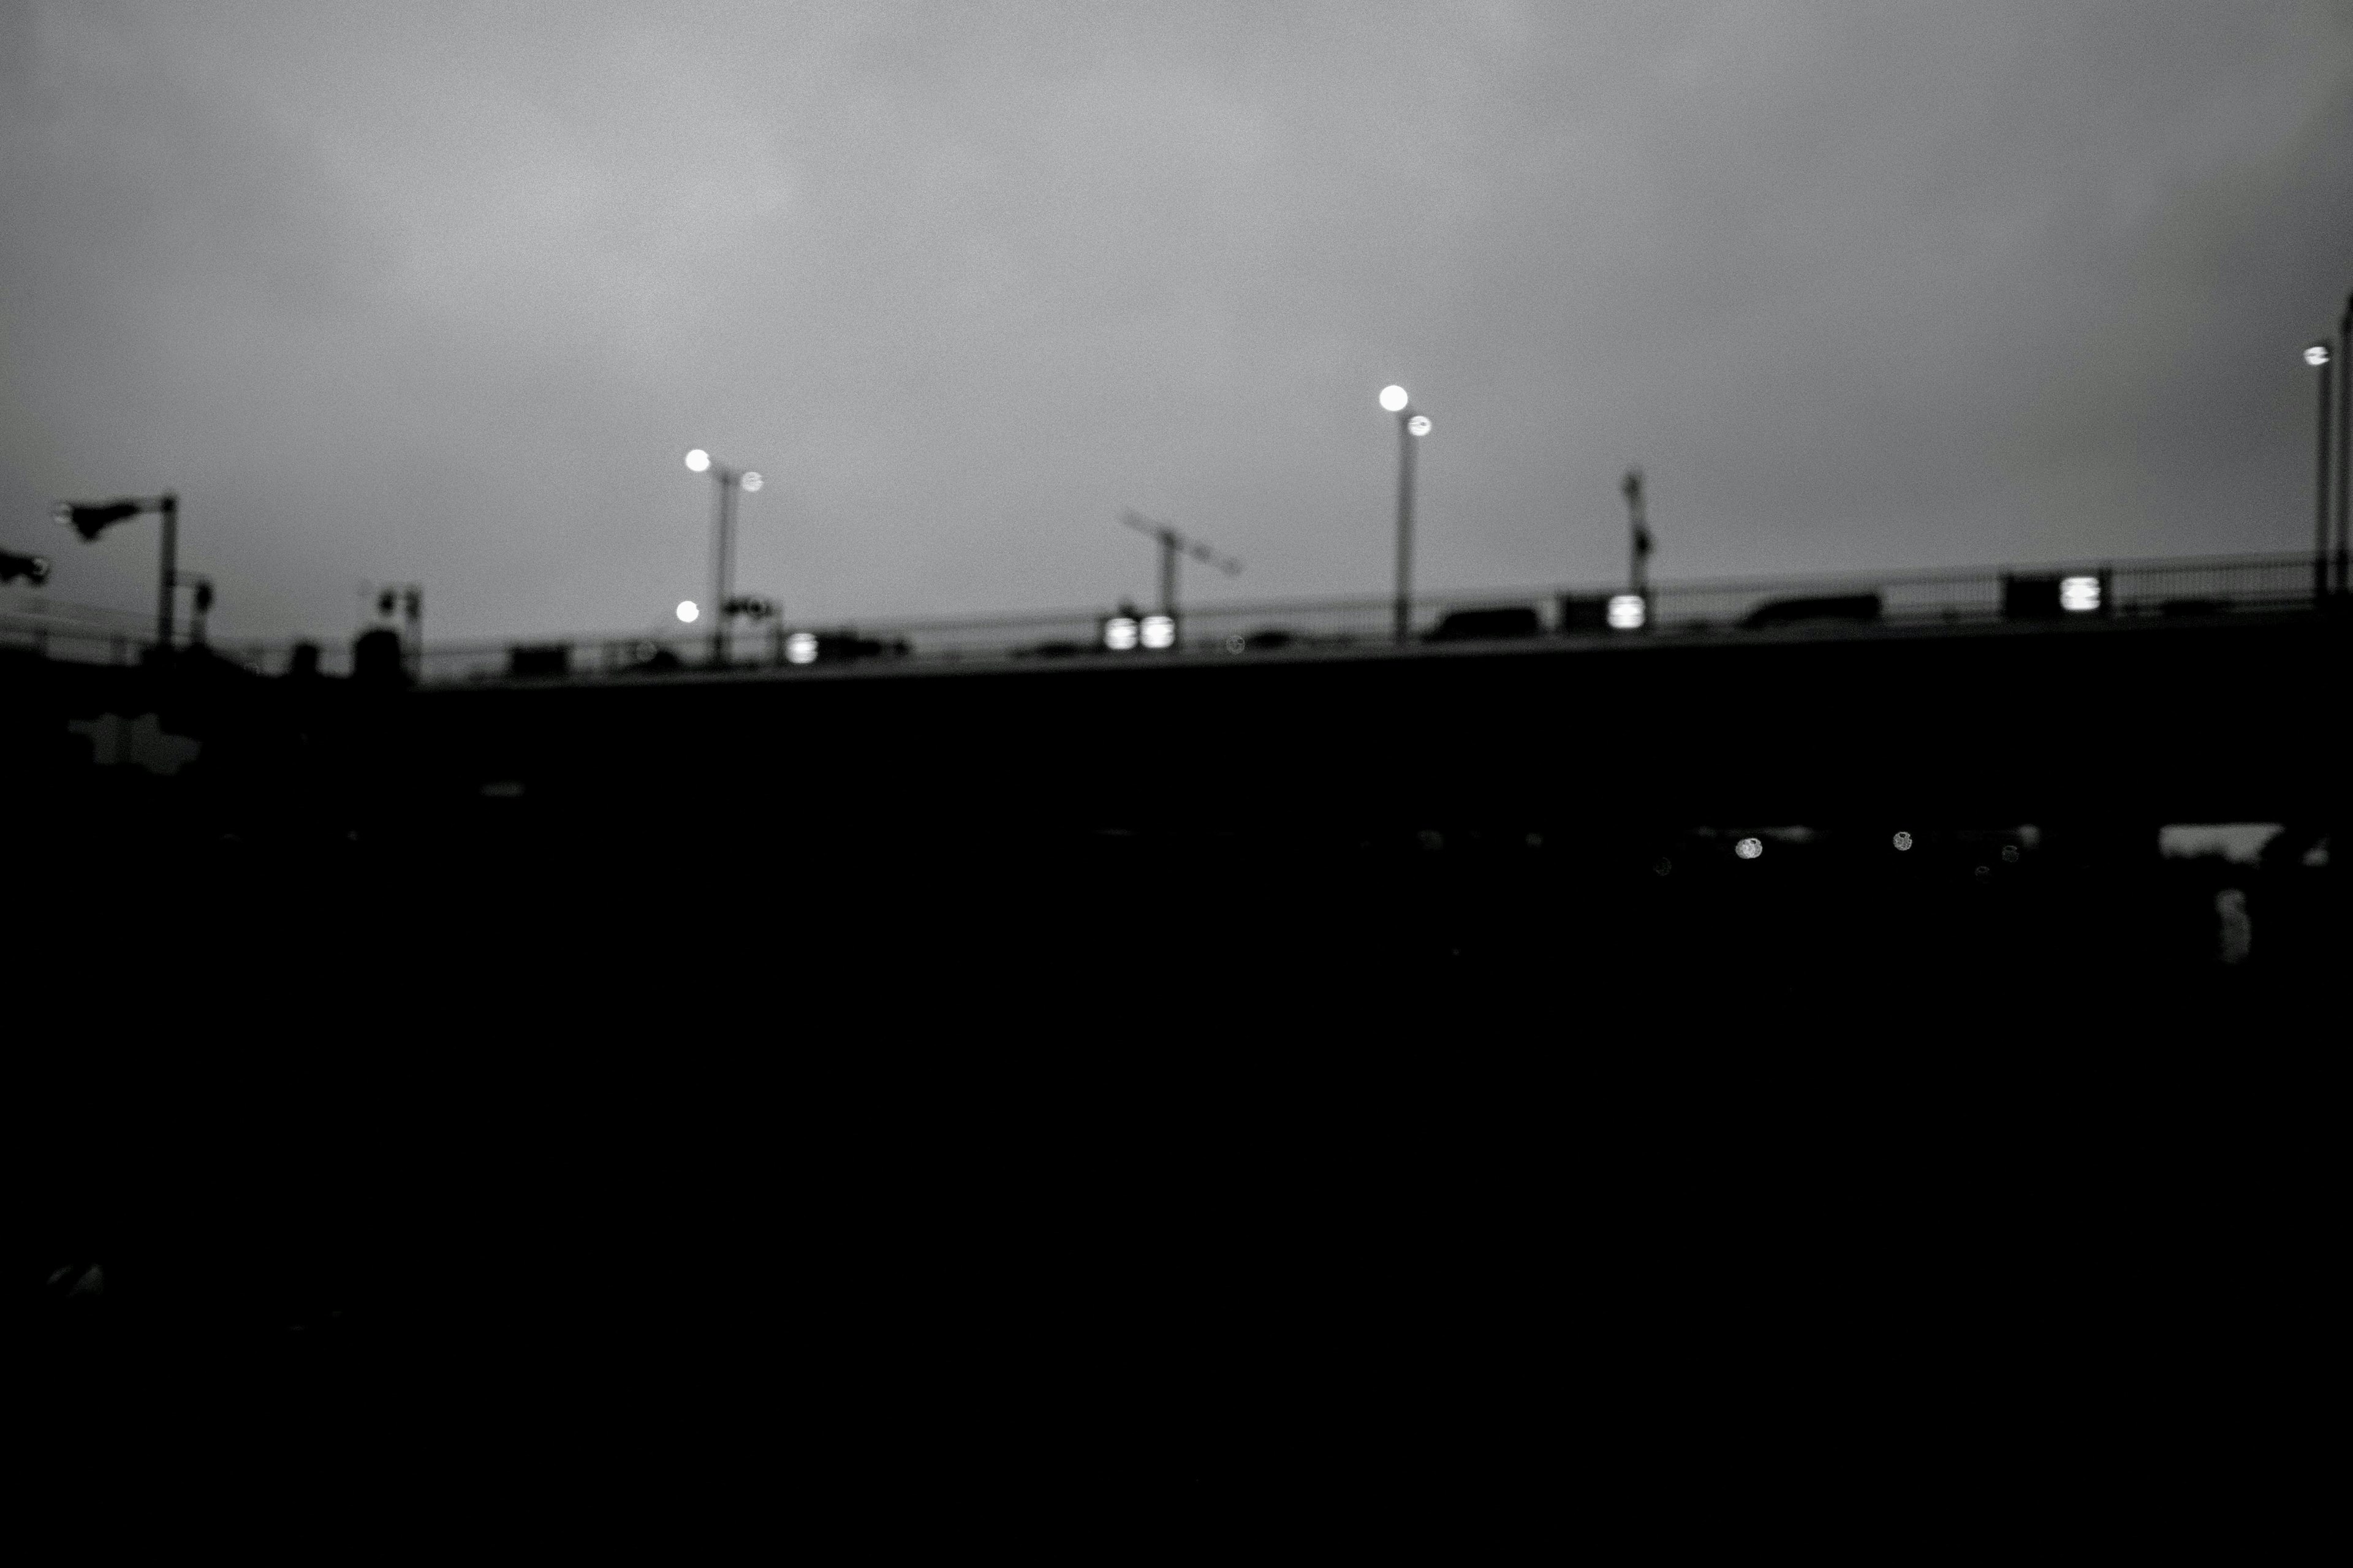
(725, 479)
(1168, 574)
(2320, 484)
(170, 507)
(2343, 436)
(1638, 541)
(1405, 525)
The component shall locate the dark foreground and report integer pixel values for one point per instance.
(1170, 1160)
(797, 1129)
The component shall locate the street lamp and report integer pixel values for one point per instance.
(2318, 357)
(2344, 438)
(723, 547)
(90, 519)
(1411, 426)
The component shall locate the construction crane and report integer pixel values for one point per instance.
(1172, 545)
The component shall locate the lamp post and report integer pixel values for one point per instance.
(90, 519)
(723, 546)
(2343, 436)
(2318, 356)
(1411, 426)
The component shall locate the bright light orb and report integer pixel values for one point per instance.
(1119, 634)
(801, 648)
(752, 483)
(698, 461)
(1903, 841)
(1393, 398)
(1749, 848)
(1627, 612)
(1159, 631)
(2316, 355)
(2079, 595)
(1419, 423)
(688, 610)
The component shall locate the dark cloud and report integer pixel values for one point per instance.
(442, 292)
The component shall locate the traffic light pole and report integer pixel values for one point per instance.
(170, 507)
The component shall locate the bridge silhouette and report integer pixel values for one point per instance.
(2189, 691)
(2183, 690)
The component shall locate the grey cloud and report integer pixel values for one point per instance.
(442, 292)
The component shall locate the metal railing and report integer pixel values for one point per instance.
(2126, 590)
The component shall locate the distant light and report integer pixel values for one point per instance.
(1159, 631)
(1393, 398)
(1419, 423)
(698, 460)
(688, 610)
(1119, 634)
(2079, 593)
(1904, 841)
(752, 483)
(2316, 355)
(2010, 853)
(801, 648)
(1749, 848)
(1627, 612)
(1234, 644)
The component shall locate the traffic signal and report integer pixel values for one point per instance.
(13, 566)
(90, 519)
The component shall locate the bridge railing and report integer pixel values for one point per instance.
(2124, 590)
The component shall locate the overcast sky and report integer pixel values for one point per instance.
(443, 292)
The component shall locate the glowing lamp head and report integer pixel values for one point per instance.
(1119, 633)
(1159, 631)
(2079, 595)
(688, 610)
(1749, 848)
(2316, 355)
(698, 461)
(1903, 840)
(1393, 398)
(752, 483)
(801, 648)
(1627, 612)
